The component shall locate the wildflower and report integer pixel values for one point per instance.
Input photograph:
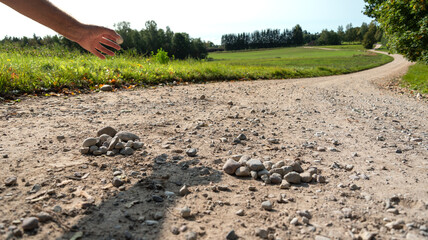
(8, 60)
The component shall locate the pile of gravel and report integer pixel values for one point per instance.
(111, 142)
(273, 173)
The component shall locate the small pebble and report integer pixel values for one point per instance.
(267, 205)
(240, 212)
(191, 152)
(30, 223)
(184, 190)
(185, 212)
(10, 181)
(191, 236)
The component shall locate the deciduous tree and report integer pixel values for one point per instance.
(405, 24)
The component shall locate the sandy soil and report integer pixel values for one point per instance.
(370, 143)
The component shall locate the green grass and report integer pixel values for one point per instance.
(27, 71)
(417, 78)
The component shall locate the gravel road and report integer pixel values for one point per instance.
(369, 144)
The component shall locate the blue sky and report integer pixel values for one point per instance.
(208, 21)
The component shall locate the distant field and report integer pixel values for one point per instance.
(25, 70)
(318, 61)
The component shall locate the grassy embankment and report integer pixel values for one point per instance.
(417, 78)
(24, 70)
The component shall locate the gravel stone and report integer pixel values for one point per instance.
(108, 131)
(184, 190)
(279, 164)
(104, 138)
(306, 177)
(292, 177)
(265, 179)
(157, 198)
(113, 143)
(191, 236)
(117, 182)
(399, 224)
(262, 233)
(285, 185)
(231, 166)
(120, 145)
(93, 149)
(243, 172)
(30, 223)
(276, 178)
(254, 175)
(242, 137)
(129, 144)
(366, 235)
(262, 172)
(255, 165)
(273, 140)
(151, 222)
(231, 235)
(279, 171)
(185, 212)
(127, 151)
(267, 205)
(90, 142)
(192, 152)
(126, 136)
(287, 169)
(44, 217)
(294, 221)
(268, 165)
(174, 230)
(321, 179)
(296, 167)
(240, 212)
(137, 145)
(84, 150)
(106, 88)
(10, 181)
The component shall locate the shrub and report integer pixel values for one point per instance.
(161, 56)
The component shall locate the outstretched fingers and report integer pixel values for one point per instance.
(97, 53)
(103, 49)
(110, 43)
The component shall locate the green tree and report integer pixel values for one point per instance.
(405, 25)
(369, 38)
(181, 45)
(362, 31)
(341, 33)
(297, 35)
(328, 38)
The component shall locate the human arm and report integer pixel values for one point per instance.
(90, 37)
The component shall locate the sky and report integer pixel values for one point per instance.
(207, 20)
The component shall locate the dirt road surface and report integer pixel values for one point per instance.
(370, 144)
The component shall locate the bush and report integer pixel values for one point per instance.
(161, 56)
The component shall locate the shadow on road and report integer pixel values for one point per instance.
(139, 211)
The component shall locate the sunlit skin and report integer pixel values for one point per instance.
(90, 37)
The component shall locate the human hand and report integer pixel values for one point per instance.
(94, 37)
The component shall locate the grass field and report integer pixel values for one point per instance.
(417, 78)
(29, 71)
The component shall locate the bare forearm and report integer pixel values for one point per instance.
(49, 15)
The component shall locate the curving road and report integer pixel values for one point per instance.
(370, 144)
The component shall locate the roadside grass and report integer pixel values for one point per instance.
(417, 78)
(42, 71)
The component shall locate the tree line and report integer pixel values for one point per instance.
(144, 42)
(149, 40)
(367, 34)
